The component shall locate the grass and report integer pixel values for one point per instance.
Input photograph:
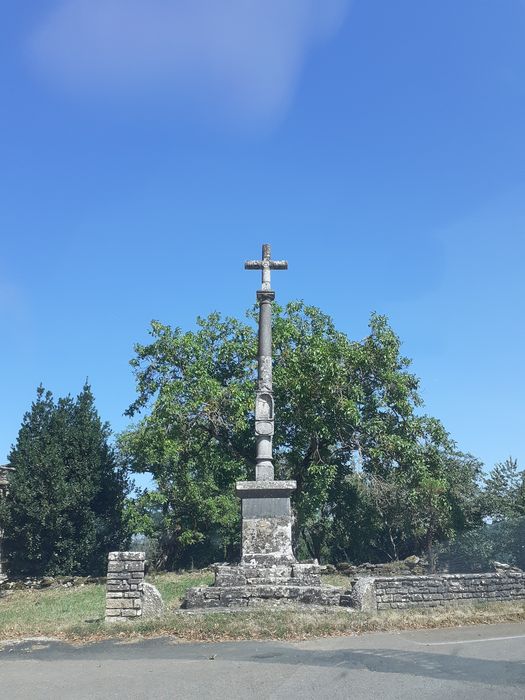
(77, 614)
(173, 586)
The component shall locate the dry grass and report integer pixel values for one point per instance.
(77, 614)
(339, 580)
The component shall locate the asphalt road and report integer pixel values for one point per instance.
(470, 662)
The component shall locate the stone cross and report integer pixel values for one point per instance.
(266, 264)
(264, 414)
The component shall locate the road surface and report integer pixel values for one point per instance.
(478, 663)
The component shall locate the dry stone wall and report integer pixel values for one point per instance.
(446, 589)
(128, 597)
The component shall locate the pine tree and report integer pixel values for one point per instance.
(64, 510)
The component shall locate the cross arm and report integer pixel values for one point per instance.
(272, 264)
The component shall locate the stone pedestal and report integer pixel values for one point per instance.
(266, 522)
(268, 572)
(250, 585)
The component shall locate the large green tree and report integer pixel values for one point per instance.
(64, 509)
(375, 478)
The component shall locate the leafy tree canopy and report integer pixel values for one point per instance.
(375, 478)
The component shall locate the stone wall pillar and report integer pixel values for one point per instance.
(125, 585)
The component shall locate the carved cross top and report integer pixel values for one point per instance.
(266, 265)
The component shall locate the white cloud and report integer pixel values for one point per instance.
(239, 57)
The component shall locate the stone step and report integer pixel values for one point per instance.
(294, 575)
(243, 596)
(281, 581)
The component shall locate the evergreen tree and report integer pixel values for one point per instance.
(64, 510)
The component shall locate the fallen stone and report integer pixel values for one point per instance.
(152, 603)
(363, 594)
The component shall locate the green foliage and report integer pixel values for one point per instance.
(501, 536)
(478, 549)
(63, 512)
(504, 495)
(375, 478)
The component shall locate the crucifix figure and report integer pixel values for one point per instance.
(264, 418)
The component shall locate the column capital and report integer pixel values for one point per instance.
(265, 295)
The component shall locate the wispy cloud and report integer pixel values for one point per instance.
(239, 57)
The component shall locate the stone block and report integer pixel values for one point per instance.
(267, 540)
(118, 577)
(126, 556)
(121, 586)
(125, 566)
(364, 594)
(258, 594)
(116, 603)
(127, 596)
(152, 603)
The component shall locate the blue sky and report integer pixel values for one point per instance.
(148, 149)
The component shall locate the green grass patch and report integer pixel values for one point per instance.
(49, 612)
(173, 586)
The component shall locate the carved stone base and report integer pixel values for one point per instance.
(266, 522)
(267, 541)
(249, 585)
(281, 574)
(244, 596)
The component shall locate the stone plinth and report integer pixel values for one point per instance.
(266, 522)
(251, 585)
(268, 572)
(127, 596)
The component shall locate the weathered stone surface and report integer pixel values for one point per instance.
(267, 540)
(260, 489)
(127, 595)
(241, 596)
(446, 589)
(125, 566)
(249, 574)
(412, 565)
(152, 603)
(363, 596)
(250, 584)
(126, 556)
(309, 574)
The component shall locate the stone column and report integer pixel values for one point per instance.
(266, 509)
(264, 421)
